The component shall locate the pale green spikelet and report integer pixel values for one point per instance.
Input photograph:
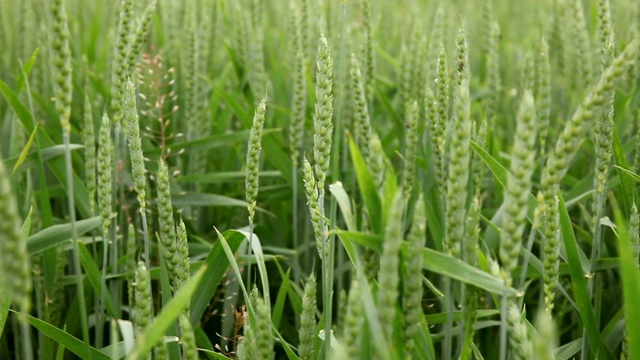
(521, 345)
(120, 65)
(57, 301)
(459, 155)
(543, 95)
(436, 40)
(187, 339)
(462, 72)
(528, 72)
(312, 202)
(492, 66)
(308, 320)
(143, 309)
(14, 259)
(253, 158)
(322, 124)
(389, 277)
(168, 236)
(262, 330)
(545, 342)
(377, 164)
(89, 140)
(182, 254)
(299, 97)
(141, 34)
(362, 124)
(412, 279)
(105, 174)
(583, 74)
(353, 322)
(367, 51)
(518, 186)
(132, 130)
(604, 125)
(411, 148)
(551, 252)
(440, 117)
(61, 64)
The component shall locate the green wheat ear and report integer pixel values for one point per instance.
(253, 158)
(15, 280)
(308, 320)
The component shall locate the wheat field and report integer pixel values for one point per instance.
(319, 179)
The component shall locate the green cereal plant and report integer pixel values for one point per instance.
(634, 235)
(311, 191)
(518, 186)
(105, 174)
(120, 63)
(253, 158)
(558, 162)
(459, 154)
(353, 322)
(377, 164)
(61, 64)
(56, 302)
(418, 67)
(89, 140)
(187, 339)
(411, 148)
(322, 138)
(14, 259)
(298, 111)
(470, 256)
(298, 98)
(140, 35)
(143, 309)
(168, 236)
(252, 182)
(543, 95)
(367, 50)
(138, 172)
(307, 329)
(528, 72)
(436, 39)
(603, 129)
(322, 117)
(544, 342)
(521, 345)
(412, 279)
(388, 276)
(362, 123)
(440, 117)
(581, 53)
(261, 344)
(492, 67)
(105, 165)
(182, 254)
